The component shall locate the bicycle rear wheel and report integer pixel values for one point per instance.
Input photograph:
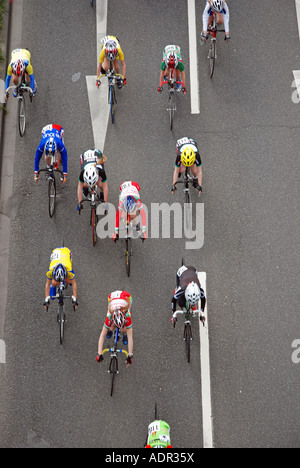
(212, 57)
(22, 115)
(113, 369)
(94, 225)
(52, 195)
(187, 338)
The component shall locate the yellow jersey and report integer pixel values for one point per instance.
(20, 54)
(64, 256)
(104, 41)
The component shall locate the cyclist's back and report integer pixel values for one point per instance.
(158, 435)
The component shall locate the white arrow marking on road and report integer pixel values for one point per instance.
(205, 376)
(98, 101)
(194, 82)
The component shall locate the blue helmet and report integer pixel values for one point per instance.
(50, 147)
(60, 273)
(129, 204)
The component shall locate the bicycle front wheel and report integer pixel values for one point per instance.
(22, 115)
(187, 338)
(112, 100)
(212, 57)
(128, 256)
(52, 196)
(172, 108)
(94, 225)
(188, 211)
(113, 371)
(61, 320)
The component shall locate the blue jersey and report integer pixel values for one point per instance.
(56, 132)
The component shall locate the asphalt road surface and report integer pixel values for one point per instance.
(248, 134)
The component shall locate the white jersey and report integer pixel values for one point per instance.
(208, 13)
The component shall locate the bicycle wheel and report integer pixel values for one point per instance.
(188, 210)
(61, 320)
(212, 57)
(52, 195)
(112, 104)
(128, 256)
(187, 338)
(94, 225)
(22, 115)
(172, 108)
(113, 368)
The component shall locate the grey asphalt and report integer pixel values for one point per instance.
(248, 133)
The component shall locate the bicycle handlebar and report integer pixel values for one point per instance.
(51, 170)
(24, 88)
(111, 350)
(168, 81)
(184, 312)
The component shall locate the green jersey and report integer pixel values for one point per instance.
(159, 435)
(177, 52)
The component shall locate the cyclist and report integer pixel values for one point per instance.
(188, 292)
(92, 173)
(223, 17)
(172, 61)
(158, 435)
(52, 141)
(130, 203)
(118, 316)
(111, 52)
(60, 270)
(20, 63)
(188, 156)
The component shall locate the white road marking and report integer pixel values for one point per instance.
(194, 82)
(207, 420)
(99, 107)
(298, 14)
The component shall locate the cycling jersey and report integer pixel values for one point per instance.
(87, 158)
(63, 256)
(132, 189)
(158, 435)
(177, 52)
(185, 276)
(56, 132)
(208, 12)
(180, 147)
(20, 54)
(120, 55)
(119, 300)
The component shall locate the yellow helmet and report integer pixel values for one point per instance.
(188, 157)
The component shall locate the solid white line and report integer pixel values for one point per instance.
(296, 83)
(298, 14)
(99, 107)
(205, 376)
(194, 82)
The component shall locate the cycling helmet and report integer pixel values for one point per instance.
(50, 147)
(60, 273)
(171, 60)
(111, 50)
(129, 204)
(118, 319)
(217, 5)
(188, 157)
(192, 293)
(90, 175)
(18, 68)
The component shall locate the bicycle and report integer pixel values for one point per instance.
(212, 56)
(187, 333)
(94, 195)
(22, 88)
(111, 76)
(50, 173)
(128, 243)
(173, 85)
(114, 365)
(187, 180)
(61, 316)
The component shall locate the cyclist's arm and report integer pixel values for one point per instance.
(38, 154)
(161, 77)
(200, 175)
(130, 340)
(64, 157)
(123, 68)
(101, 340)
(47, 287)
(105, 191)
(99, 69)
(183, 78)
(226, 18)
(79, 191)
(205, 18)
(74, 286)
(176, 174)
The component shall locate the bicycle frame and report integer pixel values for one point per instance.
(92, 197)
(212, 30)
(171, 82)
(61, 317)
(113, 366)
(111, 76)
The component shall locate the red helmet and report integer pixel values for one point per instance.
(171, 60)
(18, 68)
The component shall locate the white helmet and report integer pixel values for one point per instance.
(90, 175)
(192, 293)
(217, 5)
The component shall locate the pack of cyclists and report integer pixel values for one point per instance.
(188, 293)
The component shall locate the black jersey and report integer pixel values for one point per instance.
(181, 145)
(91, 157)
(185, 276)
